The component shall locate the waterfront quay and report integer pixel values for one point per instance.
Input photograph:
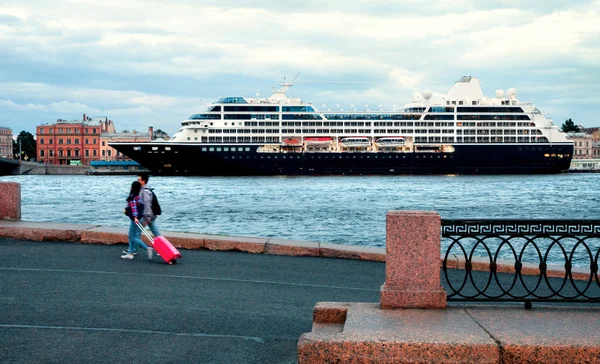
(223, 305)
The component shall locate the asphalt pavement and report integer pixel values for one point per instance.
(78, 303)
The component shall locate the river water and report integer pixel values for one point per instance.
(335, 209)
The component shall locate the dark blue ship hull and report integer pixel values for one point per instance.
(198, 160)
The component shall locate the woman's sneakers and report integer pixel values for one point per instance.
(127, 256)
(127, 252)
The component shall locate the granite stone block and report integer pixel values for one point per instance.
(412, 264)
(10, 201)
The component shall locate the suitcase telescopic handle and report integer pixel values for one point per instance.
(145, 232)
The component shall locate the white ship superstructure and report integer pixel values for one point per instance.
(463, 115)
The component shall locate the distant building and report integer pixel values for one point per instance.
(595, 142)
(71, 142)
(6, 143)
(108, 153)
(583, 145)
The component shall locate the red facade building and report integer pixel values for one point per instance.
(71, 142)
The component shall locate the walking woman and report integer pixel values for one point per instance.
(135, 211)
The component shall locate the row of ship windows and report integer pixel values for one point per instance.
(418, 139)
(262, 108)
(354, 117)
(388, 123)
(365, 156)
(376, 131)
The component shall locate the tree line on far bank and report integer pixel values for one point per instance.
(27, 141)
(569, 126)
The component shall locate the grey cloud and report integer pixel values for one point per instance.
(10, 20)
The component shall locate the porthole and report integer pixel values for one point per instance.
(218, 149)
(212, 149)
(196, 138)
(225, 123)
(188, 138)
(225, 149)
(204, 149)
(195, 130)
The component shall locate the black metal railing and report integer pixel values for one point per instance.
(548, 260)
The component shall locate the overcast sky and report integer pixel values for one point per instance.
(153, 62)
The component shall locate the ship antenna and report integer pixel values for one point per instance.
(203, 103)
(296, 77)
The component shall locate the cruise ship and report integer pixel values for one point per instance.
(460, 132)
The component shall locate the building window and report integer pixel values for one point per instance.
(41, 153)
(87, 153)
(94, 132)
(94, 152)
(87, 141)
(94, 140)
(103, 153)
(68, 141)
(60, 141)
(76, 141)
(103, 144)
(60, 152)
(41, 141)
(109, 153)
(51, 153)
(50, 141)
(76, 152)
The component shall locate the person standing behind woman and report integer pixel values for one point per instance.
(149, 216)
(135, 213)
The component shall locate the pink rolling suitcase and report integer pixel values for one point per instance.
(162, 246)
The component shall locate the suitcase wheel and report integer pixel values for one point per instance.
(173, 261)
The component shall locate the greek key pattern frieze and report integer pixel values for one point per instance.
(521, 227)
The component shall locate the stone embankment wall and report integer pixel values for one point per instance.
(50, 169)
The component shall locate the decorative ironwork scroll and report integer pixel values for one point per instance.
(522, 260)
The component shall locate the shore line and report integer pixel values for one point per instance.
(98, 234)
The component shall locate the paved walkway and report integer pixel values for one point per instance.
(66, 302)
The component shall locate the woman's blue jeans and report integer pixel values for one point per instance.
(135, 239)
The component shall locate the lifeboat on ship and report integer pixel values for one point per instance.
(352, 142)
(318, 140)
(390, 142)
(291, 142)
